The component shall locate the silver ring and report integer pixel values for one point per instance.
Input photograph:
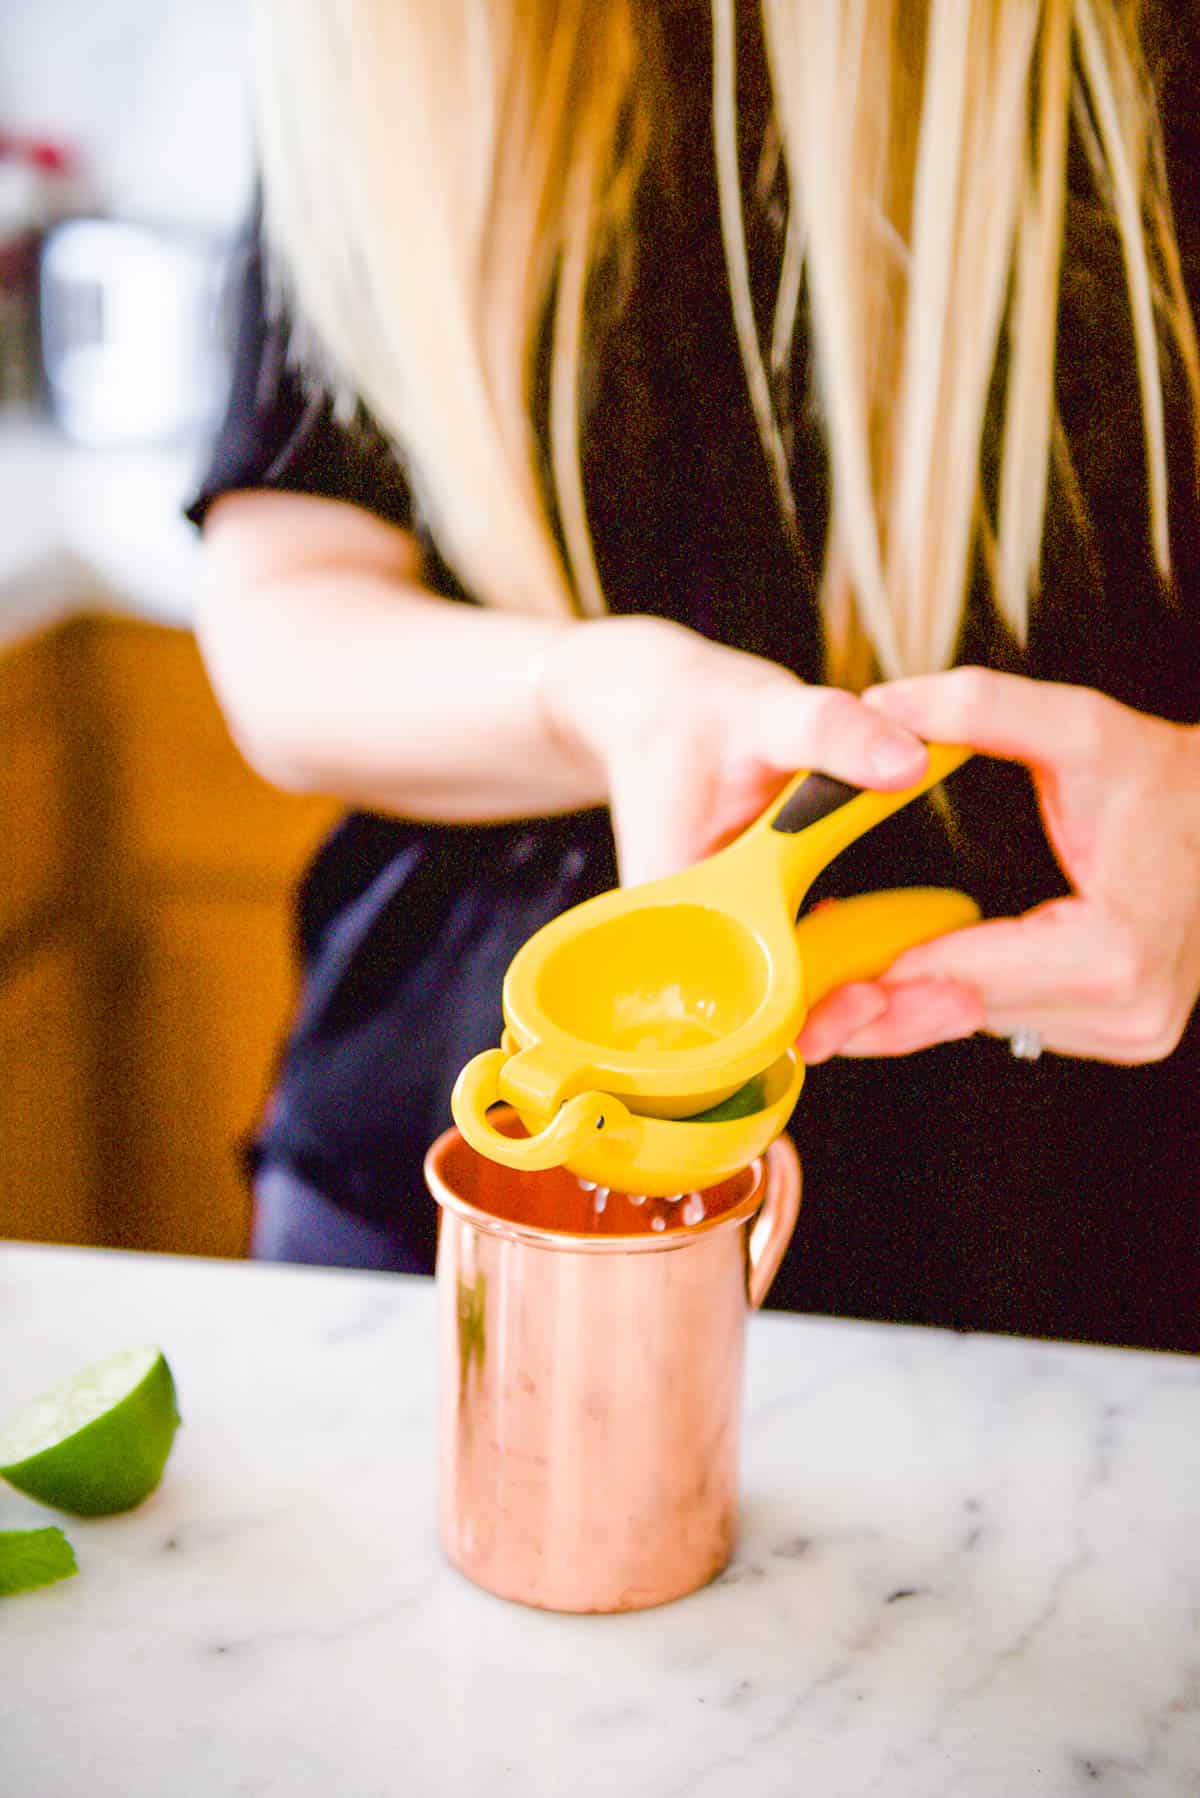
(1026, 1045)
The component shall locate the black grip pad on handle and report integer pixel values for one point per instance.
(817, 798)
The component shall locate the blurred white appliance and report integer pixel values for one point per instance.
(133, 331)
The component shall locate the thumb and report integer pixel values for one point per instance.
(829, 731)
(1041, 723)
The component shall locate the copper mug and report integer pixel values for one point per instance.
(590, 1367)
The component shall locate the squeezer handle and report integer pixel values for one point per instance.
(477, 1089)
(815, 818)
(859, 939)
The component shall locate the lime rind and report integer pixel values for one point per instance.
(96, 1443)
(33, 1558)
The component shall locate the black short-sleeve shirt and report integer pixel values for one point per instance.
(956, 1187)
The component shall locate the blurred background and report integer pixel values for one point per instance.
(145, 874)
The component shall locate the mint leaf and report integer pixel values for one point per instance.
(30, 1558)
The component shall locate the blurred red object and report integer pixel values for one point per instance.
(40, 184)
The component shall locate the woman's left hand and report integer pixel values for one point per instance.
(1113, 971)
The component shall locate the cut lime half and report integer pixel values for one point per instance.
(98, 1442)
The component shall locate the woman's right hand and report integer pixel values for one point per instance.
(692, 740)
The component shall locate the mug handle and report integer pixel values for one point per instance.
(772, 1228)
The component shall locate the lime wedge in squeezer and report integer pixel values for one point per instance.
(98, 1442)
(747, 1099)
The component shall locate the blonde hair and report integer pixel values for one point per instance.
(444, 184)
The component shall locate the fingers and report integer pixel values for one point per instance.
(1055, 950)
(838, 1018)
(718, 747)
(822, 728)
(1068, 966)
(1064, 971)
(882, 1019)
(1041, 723)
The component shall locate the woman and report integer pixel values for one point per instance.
(778, 391)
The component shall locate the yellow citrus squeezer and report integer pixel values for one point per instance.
(636, 1010)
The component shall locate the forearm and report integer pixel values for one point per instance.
(340, 673)
(349, 678)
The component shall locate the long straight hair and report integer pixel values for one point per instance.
(449, 187)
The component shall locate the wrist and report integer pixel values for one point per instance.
(554, 695)
(598, 679)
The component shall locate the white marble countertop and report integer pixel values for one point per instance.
(969, 1568)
